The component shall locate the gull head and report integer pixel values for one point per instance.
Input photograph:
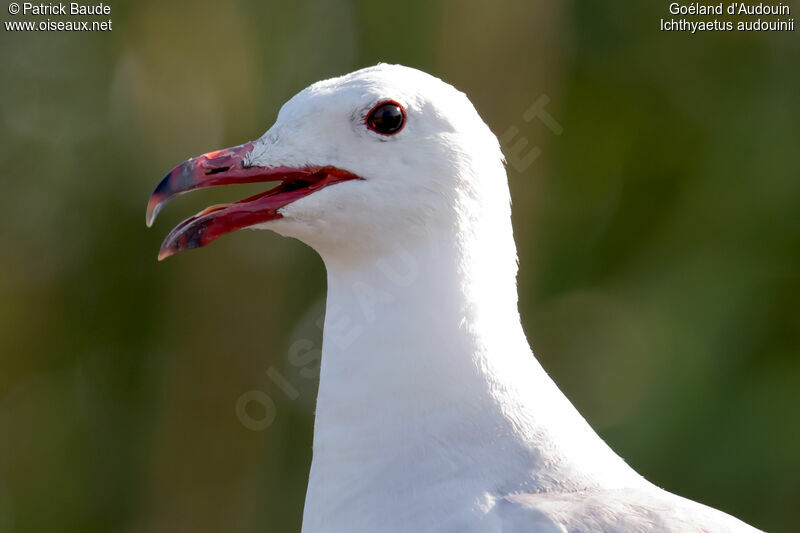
(363, 162)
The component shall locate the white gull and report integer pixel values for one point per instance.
(432, 413)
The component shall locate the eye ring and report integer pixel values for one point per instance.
(384, 119)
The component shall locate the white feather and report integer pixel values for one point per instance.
(433, 414)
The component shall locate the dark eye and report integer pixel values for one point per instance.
(386, 118)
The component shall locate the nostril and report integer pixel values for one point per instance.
(217, 170)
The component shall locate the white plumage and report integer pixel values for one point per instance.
(433, 414)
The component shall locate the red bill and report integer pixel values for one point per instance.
(226, 167)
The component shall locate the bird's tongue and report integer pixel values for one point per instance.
(225, 167)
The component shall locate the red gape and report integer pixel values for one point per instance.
(227, 167)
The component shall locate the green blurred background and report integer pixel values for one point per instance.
(659, 240)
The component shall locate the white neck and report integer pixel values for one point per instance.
(428, 386)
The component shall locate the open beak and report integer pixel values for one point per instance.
(226, 167)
